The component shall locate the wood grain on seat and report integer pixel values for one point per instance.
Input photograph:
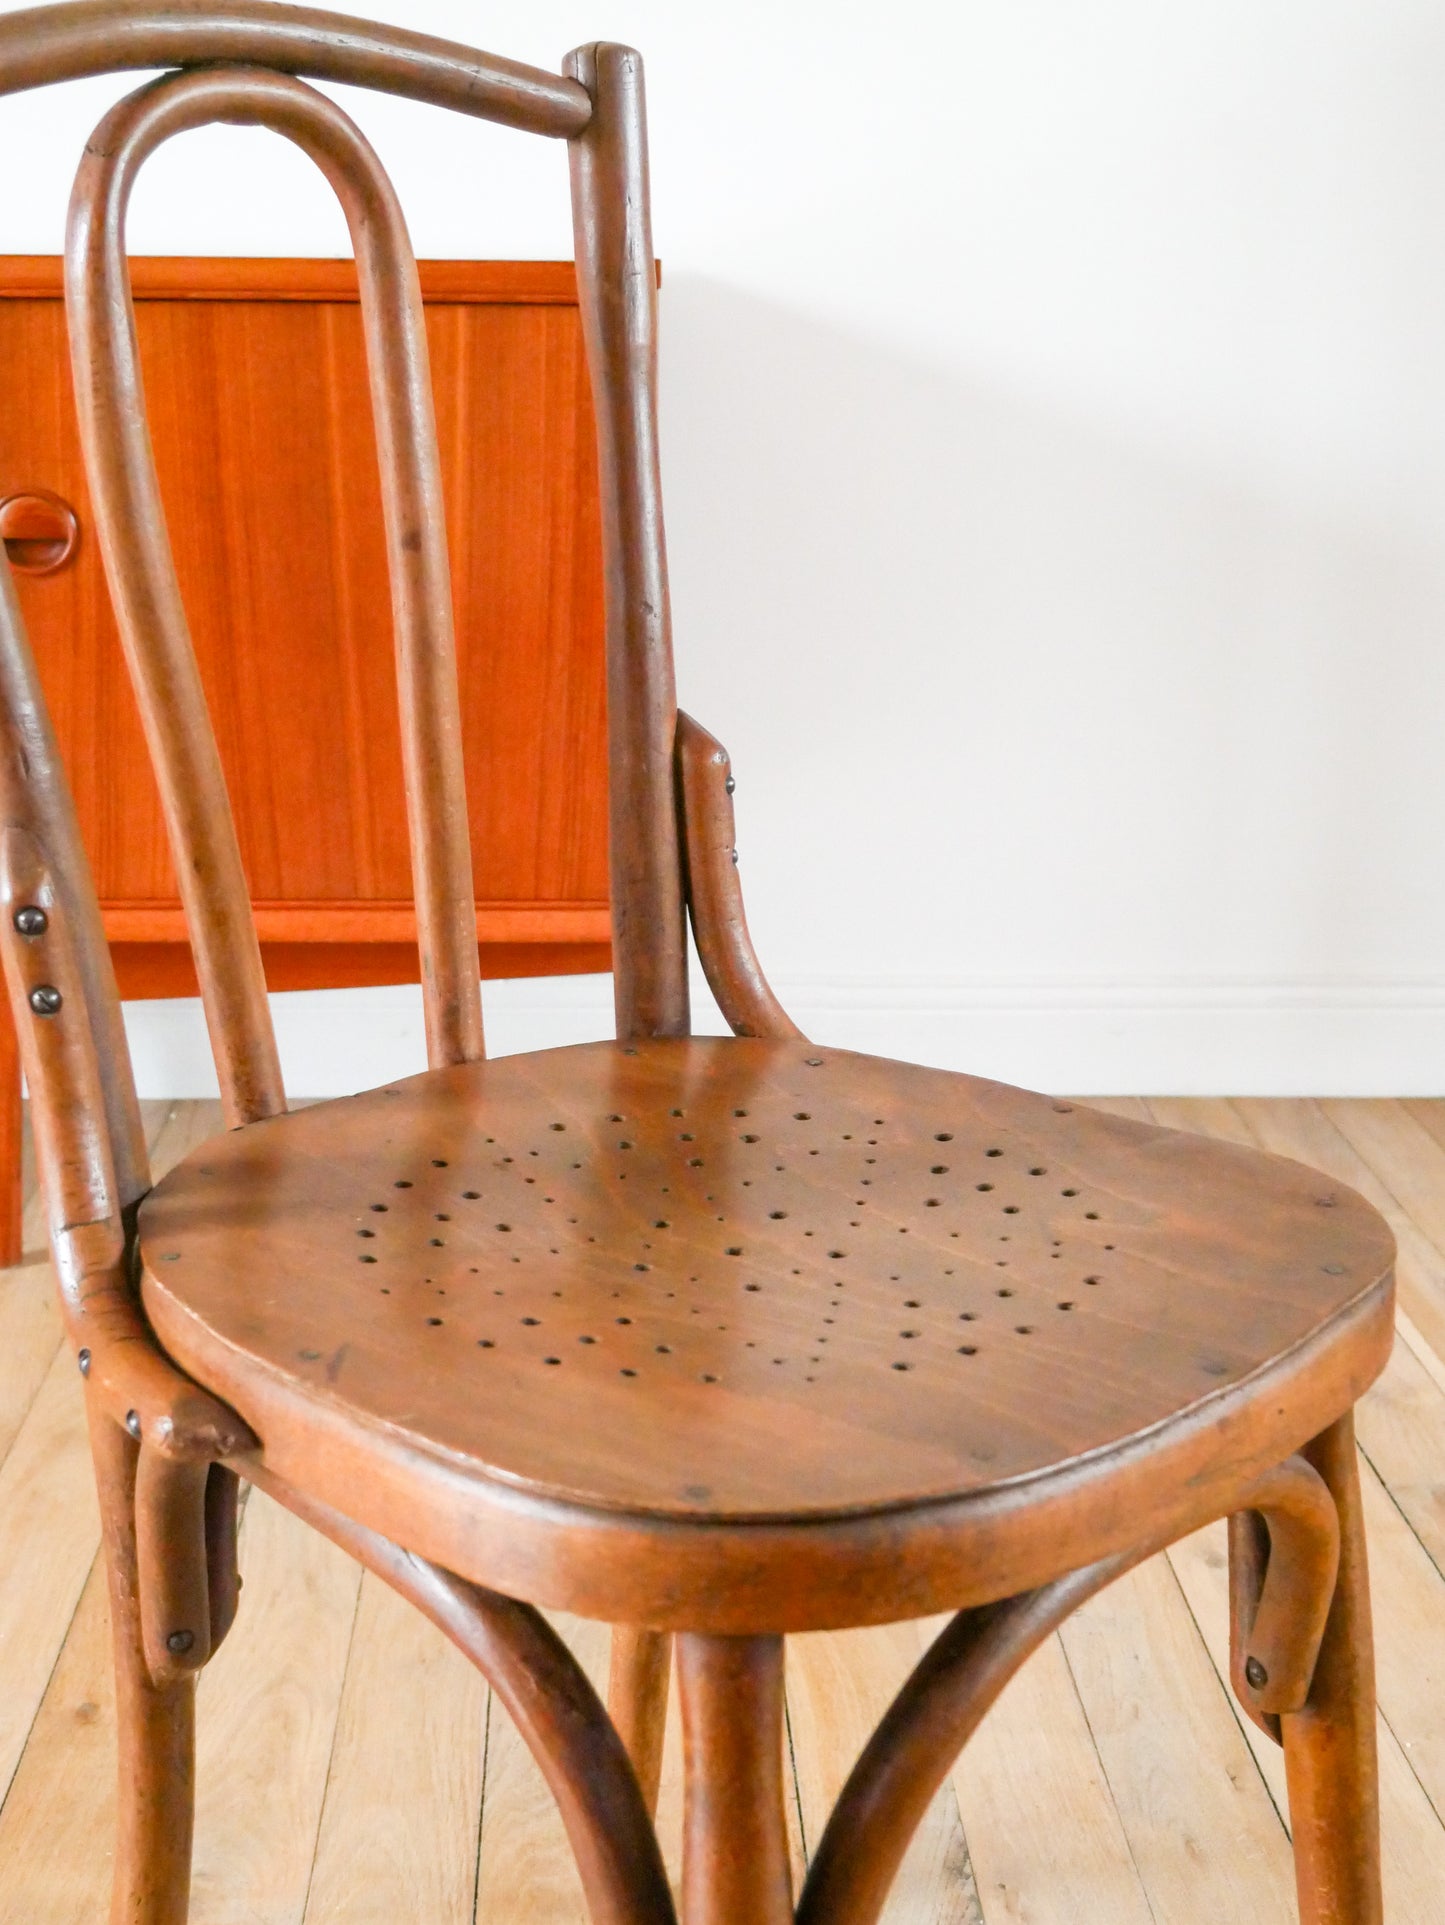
(741, 1279)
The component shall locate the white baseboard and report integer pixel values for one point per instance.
(1340, 1037)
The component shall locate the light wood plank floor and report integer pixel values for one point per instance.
(353, 1769)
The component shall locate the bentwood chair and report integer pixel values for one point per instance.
(711, 1338)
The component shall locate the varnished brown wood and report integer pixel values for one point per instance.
(735, 1837)
(153, 624)
(1248, 1539)
(39, 809)
(618, 291)
(222, 277)
(637, 1689)
(722, 1336)
(555, 1709)
(221, 1524)
(156, 1721)
(909, 1755)
(41, 45)
(714, 892)
(867, 1265)
(1330, 1746)
(86, 1187)
(172, 1578)
(1278, 1628)
(11, 1143)
(962, 1673)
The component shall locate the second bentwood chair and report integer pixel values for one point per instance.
(713, 1339)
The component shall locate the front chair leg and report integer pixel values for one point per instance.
(637, 1682)
(1329, 1746)
(155, 1722)
(735, 1868)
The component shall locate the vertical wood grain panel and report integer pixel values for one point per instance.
(266, 456)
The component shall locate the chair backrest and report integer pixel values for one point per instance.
(243, 62)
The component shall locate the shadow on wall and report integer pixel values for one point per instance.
(1061, 758)
(1013, 697)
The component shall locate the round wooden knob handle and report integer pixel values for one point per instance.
(40, 531)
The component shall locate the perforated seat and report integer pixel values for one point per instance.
(733, 1279)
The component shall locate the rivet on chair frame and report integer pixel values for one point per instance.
(179, 1642)
(45, 999)
(31, 920)
(132, 1422)
(1255, 1672)
(83, 1362)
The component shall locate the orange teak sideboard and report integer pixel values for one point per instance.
(260, 414)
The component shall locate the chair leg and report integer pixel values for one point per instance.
(637, 1682)
(11, 1146)
(1329, 1746)
(155, 1723)
(735, 1868)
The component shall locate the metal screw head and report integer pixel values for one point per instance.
(180, 1642)
(730, 784)
(84, 1361)
(1255, 1674)
(31, 921)
(45, 999)
(132, 1422)
(734, 854)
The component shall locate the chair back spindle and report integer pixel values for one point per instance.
(131, 524)
(617, 284)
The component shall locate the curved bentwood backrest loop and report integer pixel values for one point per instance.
(130, 521)
(39, 45)
(597, 106)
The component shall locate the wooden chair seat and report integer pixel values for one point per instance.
(725, 1281)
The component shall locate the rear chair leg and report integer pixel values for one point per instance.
(637, 1685)
(155, 1723)
(1329, 1746)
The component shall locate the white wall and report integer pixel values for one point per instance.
(1054, 415)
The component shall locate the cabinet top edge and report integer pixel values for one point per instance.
(192, 277)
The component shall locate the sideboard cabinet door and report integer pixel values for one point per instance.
(260, 415)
